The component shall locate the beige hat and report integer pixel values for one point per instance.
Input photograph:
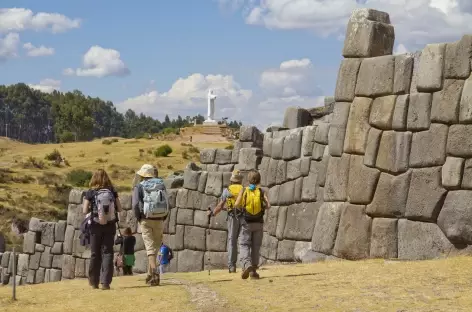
(147, 171)
(236, 177)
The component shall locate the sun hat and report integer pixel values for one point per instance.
(236, 177)
(146, 171)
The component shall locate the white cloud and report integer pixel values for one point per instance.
(416, 22)
(9, 46)
(21, 19)
(37, 51)
(400, 49)
(100, 62)
(47, 85)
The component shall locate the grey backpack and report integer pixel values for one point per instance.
(104, 206)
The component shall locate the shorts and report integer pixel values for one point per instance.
(152, 232)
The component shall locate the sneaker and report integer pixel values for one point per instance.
(155, 281)
(105, 287)
(93, 285)
(148, 279)
(232, 270)
(254, 275)
(247, 270)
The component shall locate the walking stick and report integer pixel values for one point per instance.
(209, 232)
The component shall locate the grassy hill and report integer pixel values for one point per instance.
(373, 285)
(30, 185)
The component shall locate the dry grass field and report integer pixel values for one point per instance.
(27, 179)
(373, 285)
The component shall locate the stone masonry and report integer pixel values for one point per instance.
(384, 172)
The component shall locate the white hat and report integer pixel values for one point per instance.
(147, 171)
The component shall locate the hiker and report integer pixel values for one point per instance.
(228, 199)
(129, 241)
(151, 207)
(165, 256)
(254, 201)
(102, 201)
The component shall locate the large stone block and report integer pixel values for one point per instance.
(337, 135)
(285, 250)
(431, 70)
(57, 261)
(296, 117)
(34, 261)
(57, 249)
(202, 182)
(39, 248)
(69, 239)
(300, 222)
(390, 196)
(79, 268)
(214, 184)
(319, 149)
(309, 188)
(281, 220)
(322, 132)
(445, 107)
(421, 241)
(249, 158)
(55, 275)
(416, 68)
(457, 59)
(456, 217)
(337, 176)
(465, 106)
(384, 240)
(10, 263)
(77, 249)
(292, 146)
(403, 73)
(185, 216)
(40, 276)
(269, 247)
(319, 168)
(372, 147)
(293, 169)
(347, 77)
(191, 179)
(207, 156)
(271, 178)
(419, 112)
(393, 154)
(141, 263)
(194, 199)
(381, 114)
(215, 260)
(47, 233)
(264, 170)
(267, 146)
(29, 242)
(467, 176)
(223, 156)
(75, 215)
(270, 220)
(452, 172)
(353, 239)
(76, 196)
(426, 195)
(5, 259)
(194, 238)
(362, 181)
(249, 134)
(200, 218)
(182, 198)
(125, 201)
(357, 126)
(286, 193)
(400, 114)
(422, 152)
(219, 222)
(30, 278)
(278, 147)
(326, 227)
(190, 261)
(308, 140)
(281, 173)
(376, 76)
(459, 141)
(23, 265)
(216, 240)
(35, 225)
(60, 231)
(68, 267)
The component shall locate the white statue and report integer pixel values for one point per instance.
(211, 108)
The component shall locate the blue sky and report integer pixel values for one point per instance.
(240, 44)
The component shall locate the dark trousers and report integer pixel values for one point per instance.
(101, 260)
(127, 270)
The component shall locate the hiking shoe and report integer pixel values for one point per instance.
(247, 270)
(148, 279)
(254, 275)
(232, 270)
(105, 287)
(155, 281)
(93, 285)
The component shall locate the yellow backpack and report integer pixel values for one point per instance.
(253, 204)
(234, 189)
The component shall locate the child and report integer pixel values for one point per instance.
(165, 255)
(129, 241)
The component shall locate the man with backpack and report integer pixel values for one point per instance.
(254, 202)
(228, 200)
(151, 207)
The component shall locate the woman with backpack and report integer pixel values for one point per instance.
(151, 207)
(103, 204)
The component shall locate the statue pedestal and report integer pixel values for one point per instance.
(210, 122)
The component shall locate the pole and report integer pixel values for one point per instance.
(209, 232)
(14, 274)
(6, 122)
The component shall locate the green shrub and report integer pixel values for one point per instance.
(185, 155)
(229, 147)
(66, 137)
(32, 163)
(79, 177)
(194, 150)
(170, 131)
(139, 136)
(114, 140)
(54, 156)
(163, 151)
(107, 142)
(101, 160)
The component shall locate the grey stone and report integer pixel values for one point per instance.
(131, 219)
(219, 222)
(457, 60)
(281, 173)
(362, 181)
(421, 241)
(172, 222)
(34, 261)
(185, 216)
(341, 114)
(248, 133)
(326, 227)
(249, 158)
(353, 239)
(10, 263)
(416, 68)
(200, 218)
(5, 259)
(321, 135)
(46, 258)
(286, 192)
(313, 257)
(207, 201)
(309, 188)
(235, 155)
(372, 147)
(337, 135)
(190, 261)
(274, 195)
(347, 77)
(281, 220)
(445, 106)
(403, 73)
(292, 146)
(202, 182)
(431, 70)
(381, 114)
(29, 242)
(194, 200)
(305, 163)
(216, 240)
(376, 76)
(426, 195)
(308, 140)
(452, 172)
(125, 201)
(141, 263)
(223, 156)
(171, 183)
(390, 196)
(76, 196)
(68, 240)
(320, 168)
(56, 249)
(207, 156)
(400, 114)
(285, 250)
(422, 154)
(214, 184)
(77, 249)
(60, 231)
(23, 265)
(182, 198)
(465, 107)
(191, 179)
(270, 220)
(139, 242)
(35, 225)
(467, 176)
(57, 261)
(217, 260)
(319, 149)
(55, 275)
(194, 238)
(293, 169)
(419, 112)
(30, 278)
(226, 168)
(357, 126)
(337, 178)
(47, 233)
(79, 268)
(296, 117)
(40, 275)
(455, 218)
(177, 241)
(459, 141)
(300, 250)
(267, 146)
(68, 267)
(75, 215)
(264, 171)
(271, 178)
(269, 247)
(300, 221)
(384, 240)
(39, 247)
(393, 154)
